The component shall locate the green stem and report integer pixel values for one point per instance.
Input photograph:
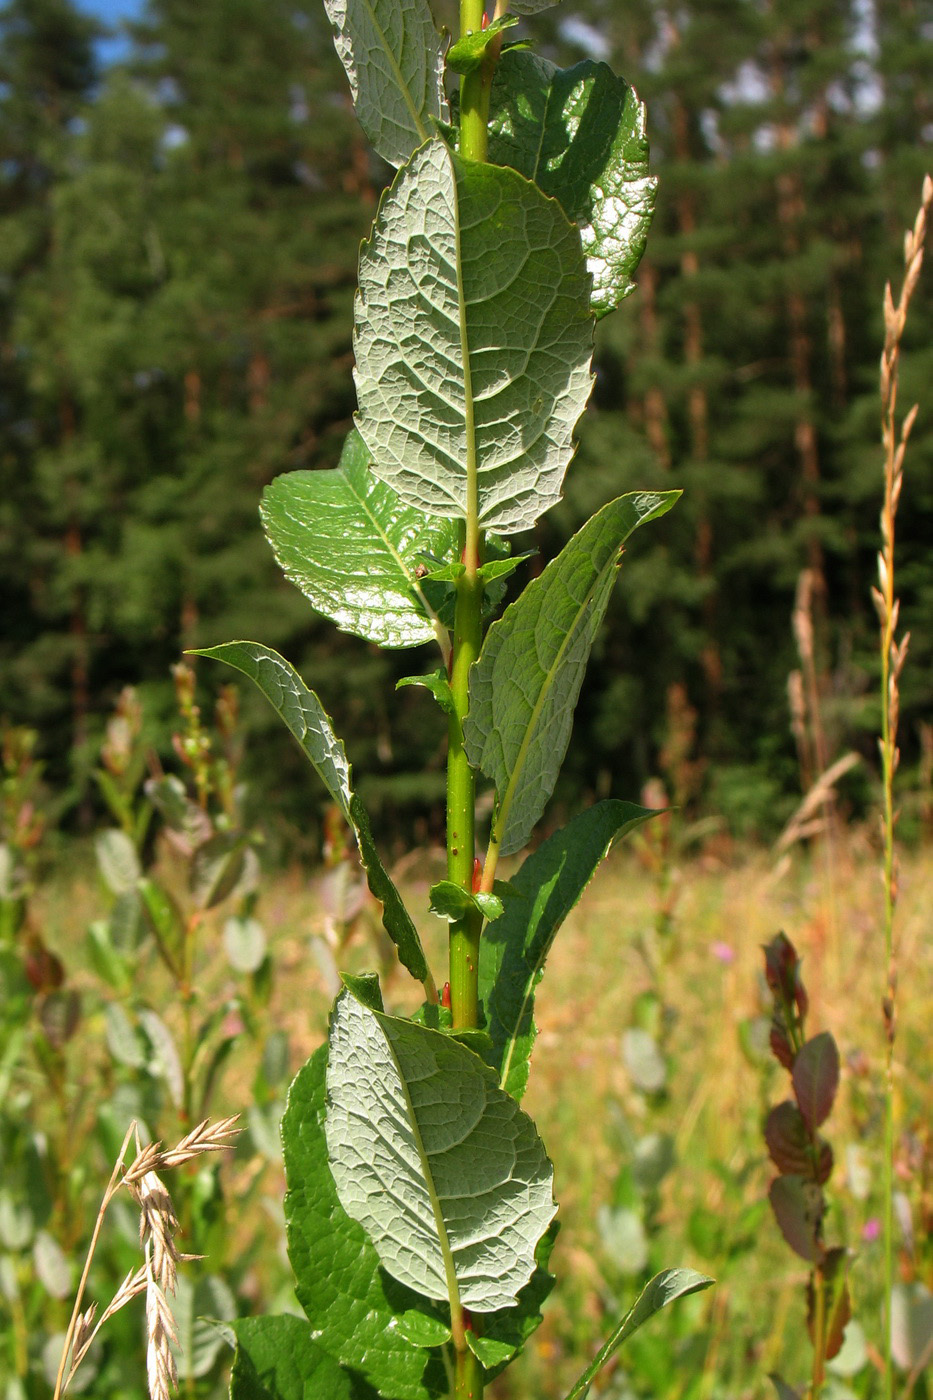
(475, 87)
(468, 1383)
(461, 844)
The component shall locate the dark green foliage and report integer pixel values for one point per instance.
(278, 1359)
(177, 324)
(745, 371)
(537, 900)
(178, 257)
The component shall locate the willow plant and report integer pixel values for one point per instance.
(420, 1212)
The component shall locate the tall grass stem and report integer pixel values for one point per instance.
(893, 656)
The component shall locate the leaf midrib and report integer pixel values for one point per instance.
(450, 1273)
(399, 76)
(436, 624)
(500, 824)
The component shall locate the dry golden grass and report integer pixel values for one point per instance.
(580, 1091)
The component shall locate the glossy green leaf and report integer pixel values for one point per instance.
(525, 685)
(489, 1351)
(450, 901)
(393, 57)
(438, 684)
(538, 899)
(447, 573)
(424, 1329)
(579, 133)
(664, 1288)
(531, 7)
(473, 341)
(495, 570)
(468, 53)
(277, 1358)
(352, 1304)
(494, 573)
(441, 1168)
(365, 987)
(351, 546)
(304, 716)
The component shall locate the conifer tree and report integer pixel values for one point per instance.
(47, 71)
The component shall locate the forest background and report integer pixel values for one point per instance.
(178, 241)
(180, 215)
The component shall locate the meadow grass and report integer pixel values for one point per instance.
(728, 905)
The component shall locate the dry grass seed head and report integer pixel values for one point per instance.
(157, 1277)
(161, 1374)
(206, 1137)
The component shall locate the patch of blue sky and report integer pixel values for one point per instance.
(112, 13)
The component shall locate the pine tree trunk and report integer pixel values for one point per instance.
(654, 405)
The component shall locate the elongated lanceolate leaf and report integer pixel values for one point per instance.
(537, 901)
(524, 687)
(473, 341)
(579, 133)
(445, 1173)
(394, 60)
(277, 1358)
(352, 1304)
(353, 549)
(530, 7)
(663, 1289)
(305, 717)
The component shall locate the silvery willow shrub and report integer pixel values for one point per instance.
(420, 1212)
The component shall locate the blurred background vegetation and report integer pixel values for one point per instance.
(178, 239)
(180, 211)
